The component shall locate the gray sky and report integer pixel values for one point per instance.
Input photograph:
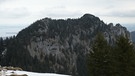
(25, 12)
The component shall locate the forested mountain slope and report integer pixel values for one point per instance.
(58, 45)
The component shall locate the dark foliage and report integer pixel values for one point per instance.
(99, 58)
(118, 61)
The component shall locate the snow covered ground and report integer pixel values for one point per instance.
(11, 72)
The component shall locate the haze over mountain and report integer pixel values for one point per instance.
(57, 45)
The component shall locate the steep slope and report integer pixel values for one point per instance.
(61, 46)
(133, 36)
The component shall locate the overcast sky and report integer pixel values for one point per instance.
(16, 13)
(25, 12)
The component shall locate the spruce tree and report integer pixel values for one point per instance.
(123, 63)
(99, 58)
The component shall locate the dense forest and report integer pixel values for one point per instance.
(103, 60)
(12, 53)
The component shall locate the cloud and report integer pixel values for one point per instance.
(64, 14)
(126, 13)
(31, 10)
(118, 13)
(14, 13)
(3, 1)
(59, 12)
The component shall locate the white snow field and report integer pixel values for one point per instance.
(11, 72)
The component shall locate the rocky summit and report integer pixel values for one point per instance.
(61, 45)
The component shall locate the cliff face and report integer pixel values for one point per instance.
(64, 44)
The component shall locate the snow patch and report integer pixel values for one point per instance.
(10, 72)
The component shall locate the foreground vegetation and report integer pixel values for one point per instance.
(117, 60)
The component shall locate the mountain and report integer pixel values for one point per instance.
(58, 45)
(133, 36)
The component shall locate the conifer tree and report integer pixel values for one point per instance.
(123, 62)
(99, 58)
